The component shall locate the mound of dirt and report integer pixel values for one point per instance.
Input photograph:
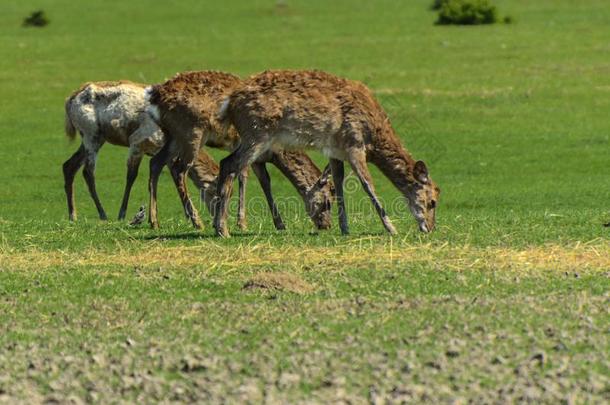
(278, 281)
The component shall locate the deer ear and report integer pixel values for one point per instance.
(420, 172)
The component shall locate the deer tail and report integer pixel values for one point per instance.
(68, 124)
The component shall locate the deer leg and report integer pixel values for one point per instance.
(336, 167)
(156, 166)
(89, 174)
(70, 167)
(260, 170)
(133, 164)
(179, 172)
(230, 166)
(242, 180)
(225, 188)
(358, 163)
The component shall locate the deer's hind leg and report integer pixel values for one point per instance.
(70, 167)
(89, 175)
(357, 160)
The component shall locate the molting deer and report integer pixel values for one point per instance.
(114, 112)
(185, 108)
(278, 110)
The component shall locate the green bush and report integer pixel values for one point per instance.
(466, 12)
(36, 19)
(436, 4)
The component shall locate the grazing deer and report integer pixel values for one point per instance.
(114, 112)
(278, 110)
(185, 108)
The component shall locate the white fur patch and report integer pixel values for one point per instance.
(224, 109)
(147, 93)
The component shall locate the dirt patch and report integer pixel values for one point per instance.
(278, 281)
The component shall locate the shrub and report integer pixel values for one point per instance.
(466, 12)
(436, 4)
(36, 19)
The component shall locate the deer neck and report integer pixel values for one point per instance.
(394, 162)
(299, 170)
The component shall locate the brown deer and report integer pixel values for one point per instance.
(185, 108)
(114, 112)
(278, 110)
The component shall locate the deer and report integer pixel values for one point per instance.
(114, 112)
(297, 110)
(185, 109)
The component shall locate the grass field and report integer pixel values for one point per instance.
(508, 301)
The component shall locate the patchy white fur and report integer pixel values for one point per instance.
(151, 109)
(224, 109)
(148, 138)
(108, 114)
(147, 93)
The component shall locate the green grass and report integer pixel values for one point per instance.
(512, 121)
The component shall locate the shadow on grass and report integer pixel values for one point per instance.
(193, 235)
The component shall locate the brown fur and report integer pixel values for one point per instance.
(314, 109)
(335, 106)
(188, 105)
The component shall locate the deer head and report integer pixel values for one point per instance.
(423, 196)
(318, 200)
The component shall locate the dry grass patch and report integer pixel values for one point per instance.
(358, 253)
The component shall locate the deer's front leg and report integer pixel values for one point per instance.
(260, 170)
(358, 163)
(89, 174)
(245, 154)
(225, 187)
(242, 180)
(336, 166)
(179, 172)
(156, 166)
